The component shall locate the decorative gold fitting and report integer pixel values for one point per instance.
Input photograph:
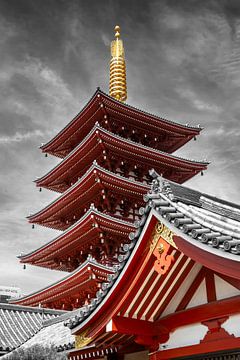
(81, 340)
(161, 248)
(165, 233)
(117, 31)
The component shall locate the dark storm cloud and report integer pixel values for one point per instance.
(183, 63)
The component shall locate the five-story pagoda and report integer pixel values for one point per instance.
(107, 151)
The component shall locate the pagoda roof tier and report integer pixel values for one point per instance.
(113, 114)
(98, 186)
(95, 233)
(73, 290)
(119, 154)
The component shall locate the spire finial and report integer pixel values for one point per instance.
(117, 31)
(117, 84)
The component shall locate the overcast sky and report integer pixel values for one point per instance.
(182, 64)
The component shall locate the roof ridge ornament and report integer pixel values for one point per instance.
(117, 83)
(160, 184)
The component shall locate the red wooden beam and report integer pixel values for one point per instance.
(146, 333)
(129, 326)
(215, 309)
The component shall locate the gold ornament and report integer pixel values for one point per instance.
(81, 340)
(164, 232)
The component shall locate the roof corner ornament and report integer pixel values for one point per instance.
(159, 184)
(118, 83)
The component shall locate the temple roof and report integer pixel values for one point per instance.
(79, 285)
(56, 335)
(102, 106)
(29, 321)
(84, 235)
(100, 141)
(201, 219)
(175, 207)
(63, 211)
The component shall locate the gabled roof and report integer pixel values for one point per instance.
(91, 148)
(81, 236)
(19, 323)
(84, 192)
(161, 207)
(104, 106)
(84, 280)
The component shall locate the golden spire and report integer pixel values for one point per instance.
(118, 83)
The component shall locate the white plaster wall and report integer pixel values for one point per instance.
(232, 325)
(185, 336)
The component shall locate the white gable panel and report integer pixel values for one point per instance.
(200, 296)
(224, 290)
(173, 304)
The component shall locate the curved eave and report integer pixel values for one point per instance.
(214, 259)
(86, 188)
(80, 279)
(76, 233)
(93, 106)
(92, 146)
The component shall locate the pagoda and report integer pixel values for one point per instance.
(105, 154)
